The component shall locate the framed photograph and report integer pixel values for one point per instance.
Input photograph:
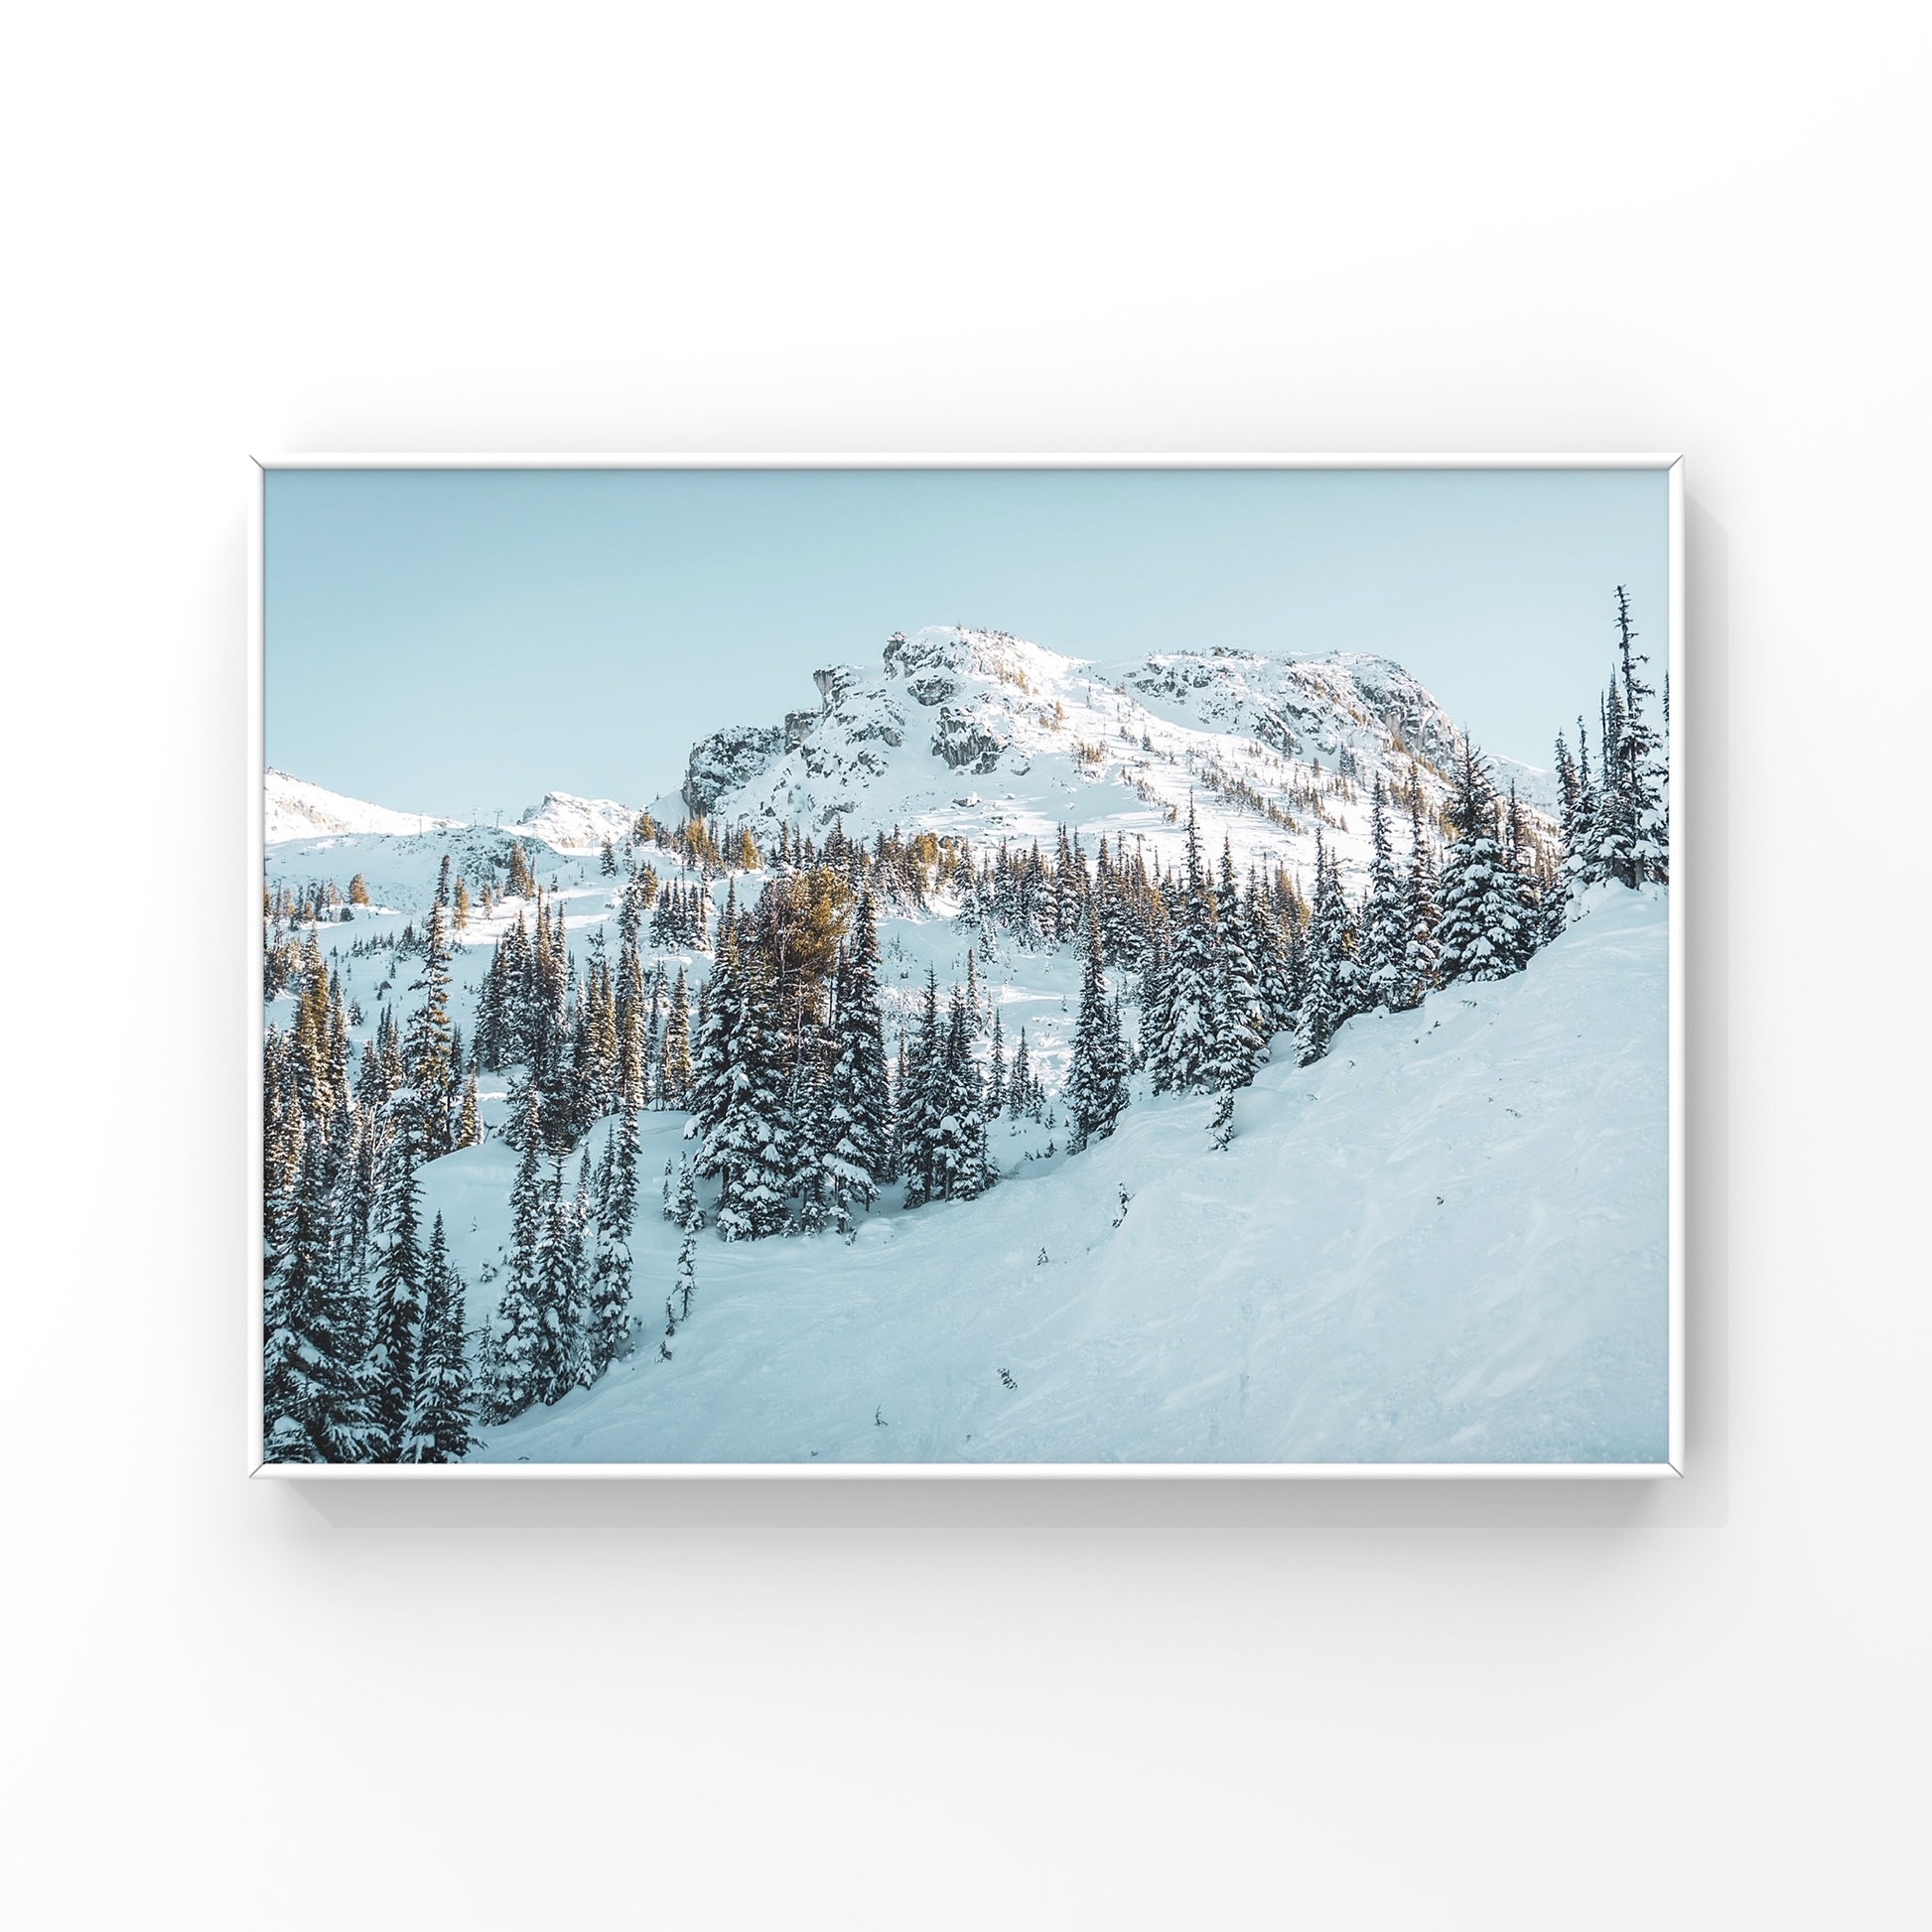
(990, 965)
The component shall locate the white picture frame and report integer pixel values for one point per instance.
(1683, 853)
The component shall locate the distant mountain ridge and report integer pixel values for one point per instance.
(985, 736)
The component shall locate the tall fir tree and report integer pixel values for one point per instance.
(1241, 1027)
(442, 1408)
(519, 1358)
(1385, 914)
(1480, 936)
(1336, 991)
(1096, 1089)
(398, 1298)
(1183, 1049)
(859, 1101)
(1420, 913)
(921, 1098)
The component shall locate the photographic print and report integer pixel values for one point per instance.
(981, 967)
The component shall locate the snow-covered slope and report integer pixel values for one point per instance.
(1448, 1241)
(985, 735)
(295, 809)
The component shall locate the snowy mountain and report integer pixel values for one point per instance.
(569, 824)
(984, 734)
(295, 809)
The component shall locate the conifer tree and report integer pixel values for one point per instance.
(519, 1358)
(1334, 975)
(687, 1274)
(559, 1282)
(1241, 1029)
(399, 1299)
(859, 1099)
(1183, 1049)
(1019, 1087)
(470, 1127)
(922, 1099)
(617, 1209)
(426, 1052)
(750, 1148)
(1480, 936)
(960, 1166)
(685, 1212)
(1385, 914)
(316, 1407)
(1096, 1090)
(1642, 816)
(1420, 913)
(442, 1410)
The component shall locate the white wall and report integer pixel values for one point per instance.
(238, 229)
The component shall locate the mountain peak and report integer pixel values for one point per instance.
(983, 734)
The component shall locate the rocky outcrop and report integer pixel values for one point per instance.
(931, 664)
(833, 682)
(969, 741)
(726, 759)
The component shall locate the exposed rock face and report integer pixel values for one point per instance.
(726, 759)
(798, 727)
(931, 664)
(969, 741)
(833, 682)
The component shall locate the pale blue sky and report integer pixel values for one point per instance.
(463, 640)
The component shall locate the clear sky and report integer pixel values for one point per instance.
(461, 642)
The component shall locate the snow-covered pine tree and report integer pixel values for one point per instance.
(1520, 859)
(751, 1147)
(442, 1407)
(685, 1212)
(519, 1355)
(687, 1274)
(808, 1114)
(470, 1127)
(996, 1071)
(1096, 1088)
(1270, 958)
(1019, 1087)
(1334, 975)
(1183, 1049)
(675, 1079)
(1480, 936)
(1641, 777)
(399, 1298)
(559, 1285)
(962, 1165)
(859, 1159)
(921, 1098)
(1241, 1028)
(609, 1332)
(1156, 1007)
(315, 1407)
(1421, 914)
(1385, 922)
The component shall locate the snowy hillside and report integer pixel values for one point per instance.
(985, 736)
(1446, 1241)
(295, 809)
